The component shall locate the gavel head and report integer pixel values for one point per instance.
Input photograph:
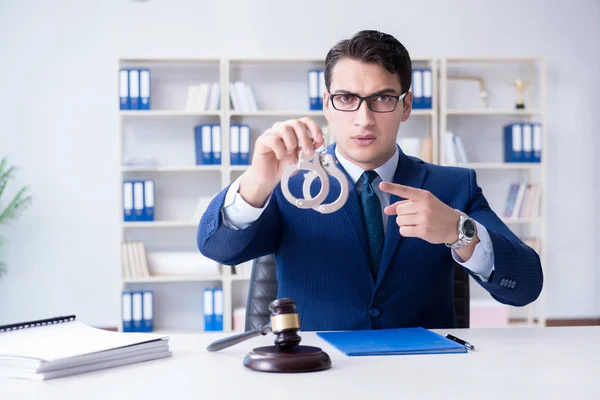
(285, 322)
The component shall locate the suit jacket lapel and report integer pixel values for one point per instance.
(408, 173)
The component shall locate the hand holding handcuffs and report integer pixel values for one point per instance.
(320, 165)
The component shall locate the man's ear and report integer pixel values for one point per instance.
(407, 104)
(326, 106)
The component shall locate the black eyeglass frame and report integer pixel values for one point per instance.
(367, 98)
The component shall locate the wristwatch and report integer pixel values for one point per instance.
(467, 229)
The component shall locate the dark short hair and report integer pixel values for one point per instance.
(372, 47)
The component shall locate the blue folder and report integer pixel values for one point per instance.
(383, 342)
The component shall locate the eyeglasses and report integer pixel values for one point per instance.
(380, 103)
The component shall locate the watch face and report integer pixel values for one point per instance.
(469, 228)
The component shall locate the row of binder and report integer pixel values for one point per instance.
(134, 89)
(138, 311)
(523, 142)
(138, 200)
(207, 142)
(213, 309)
(422, 88)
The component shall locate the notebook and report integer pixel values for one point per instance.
(63, 346)
(401, 341)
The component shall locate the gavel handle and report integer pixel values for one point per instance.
(232, 340)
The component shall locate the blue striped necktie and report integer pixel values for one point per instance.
(371, 208)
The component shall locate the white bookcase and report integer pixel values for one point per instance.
(281, 91)
(480, 126)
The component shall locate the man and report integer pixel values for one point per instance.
(386, 258)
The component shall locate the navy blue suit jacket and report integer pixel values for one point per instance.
(323, 261)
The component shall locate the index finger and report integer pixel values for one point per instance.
(406, 192)
(315, 130)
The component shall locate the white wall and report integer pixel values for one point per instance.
(58, 103)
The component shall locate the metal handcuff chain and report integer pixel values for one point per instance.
(328, 163)
(310, 163)
(320, 165)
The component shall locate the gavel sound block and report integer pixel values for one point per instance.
(287, 355)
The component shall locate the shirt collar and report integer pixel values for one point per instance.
(386, 171)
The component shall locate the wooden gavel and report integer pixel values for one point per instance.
(284, 323)
(287, 355)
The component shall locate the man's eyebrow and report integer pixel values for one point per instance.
(386, 91)
(379, 92)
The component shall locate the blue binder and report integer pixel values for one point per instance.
(127, 201)
(124, 89)
(427, 88)
(417, 89)
(537, 142)
(313, 90)
(144, 89)
(209, 312)
(147, 311)
(138, 201)
(245, 145)
(127, 312)
(148, 200)
(202, 141)
(381, 342)
(234, 144)
(218, 309)
(137, 311)
(527, 131)
(322, 88)
(215, 144)
(513, 143)
(134, 89)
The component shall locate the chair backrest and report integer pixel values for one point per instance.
(263, 290)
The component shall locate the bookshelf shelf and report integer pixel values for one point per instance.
(168, 113)
(277, 113)
(484, 86)
(160, 224)
(174, 168)
(170, 127)
(488, 112)
(175, 278)
(500, 165)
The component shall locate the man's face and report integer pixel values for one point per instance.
(365, 137)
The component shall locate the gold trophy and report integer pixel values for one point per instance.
(520, 86)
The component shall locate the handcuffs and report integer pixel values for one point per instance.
(320, 165)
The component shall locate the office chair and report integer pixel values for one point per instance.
(263, 290)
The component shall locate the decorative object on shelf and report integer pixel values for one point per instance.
(483, 94)
(520, 86)
(319, 164)
(17, 204)
(287, 355)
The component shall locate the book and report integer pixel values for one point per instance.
(402, 341)
(63, 346)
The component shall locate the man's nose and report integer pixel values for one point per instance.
(364, 116)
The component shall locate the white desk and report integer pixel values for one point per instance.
(511, 363)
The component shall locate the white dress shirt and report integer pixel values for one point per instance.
(238, 214)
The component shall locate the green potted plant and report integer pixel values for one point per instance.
(11, 209)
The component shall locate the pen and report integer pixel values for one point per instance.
(457, 340)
